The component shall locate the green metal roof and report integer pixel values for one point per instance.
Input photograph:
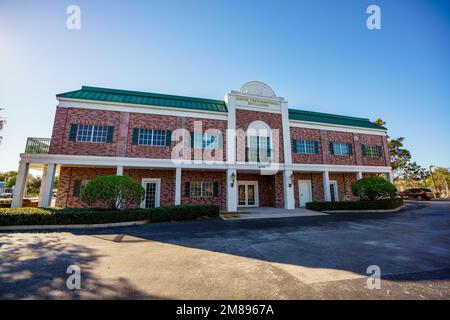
(165, 100)
(302, 115)
(145, 98)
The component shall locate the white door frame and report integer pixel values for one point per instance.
(335, 186)
(300, 191)
(247, 182)
(157, 191)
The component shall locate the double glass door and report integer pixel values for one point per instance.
(247, 194)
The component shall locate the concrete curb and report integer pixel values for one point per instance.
(72, 226)
(366, 211)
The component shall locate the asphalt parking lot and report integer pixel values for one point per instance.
(324, 257)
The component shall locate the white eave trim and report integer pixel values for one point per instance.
(139, 108)
(335, 127)
(98, 161)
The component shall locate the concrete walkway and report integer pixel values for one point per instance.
(269, 213)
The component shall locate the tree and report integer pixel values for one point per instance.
(399, 155)
(33, 185)
(373, 188)
(2, 124)
(112, 192)
(379, 122)
(441, 179)
(415, 172)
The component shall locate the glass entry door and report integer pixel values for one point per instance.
(152, 193)
(247, 193)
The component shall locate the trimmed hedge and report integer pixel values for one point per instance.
(355, 205)
(55, 216)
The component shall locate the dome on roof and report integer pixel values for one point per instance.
(258, 88)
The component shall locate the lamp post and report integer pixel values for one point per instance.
(434, 182)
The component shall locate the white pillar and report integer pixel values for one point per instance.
(119, 171)
(390, 176)
(45, 197)
(326, 186)
(359, 175)
(21, 183)
(289, 200)
(287, 147)
(231, 190)
(178, 186)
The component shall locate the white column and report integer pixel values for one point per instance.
(45, 197)
(390, 177)
(286, 134)
(231, 190)
(119, 171)
(289, 200)
(359, 175)
(21, 183)
(231, 129)
(178, 186)
(41, 189)
(326, 186)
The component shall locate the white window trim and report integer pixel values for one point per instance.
(91, 137)
(157, 192)
(201, 189)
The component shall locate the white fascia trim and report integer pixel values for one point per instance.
(92, 161)
(337, 168)
(139, 108)
(334, 127)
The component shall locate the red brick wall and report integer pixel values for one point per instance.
(123, 123)
(266, 187)
(245, 117)
(61, 144)
(68, 175)
(324, 137)
(214, 176)
(149, 121)
(316, 185)
(306, 134)
(344, 181)
(372, 140)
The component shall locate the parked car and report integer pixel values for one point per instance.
(6, 195)
(418, 194)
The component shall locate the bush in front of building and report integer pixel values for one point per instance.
(383, 204)
(112, 192)
(56, 216)
(374, 188)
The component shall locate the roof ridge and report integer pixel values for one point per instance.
(149, 94)
(330, 115)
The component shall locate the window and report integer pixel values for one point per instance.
(306, 147)
(149, 137)
(205, 140)
(341, 149)
(196, 189)
(202, 189)
(90, 133)
(259, 149)
(79, 185)
(372, 151)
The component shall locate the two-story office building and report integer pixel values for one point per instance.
(247, 150)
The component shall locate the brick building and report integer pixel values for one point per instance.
(247, 150)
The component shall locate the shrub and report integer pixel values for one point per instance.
(373, 188)
(355, 205)
(55, 216)
(113, 192)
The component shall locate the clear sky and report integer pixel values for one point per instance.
(319, 55)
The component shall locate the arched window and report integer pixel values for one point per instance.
(259, 142)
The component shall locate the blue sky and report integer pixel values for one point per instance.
(319, 55)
